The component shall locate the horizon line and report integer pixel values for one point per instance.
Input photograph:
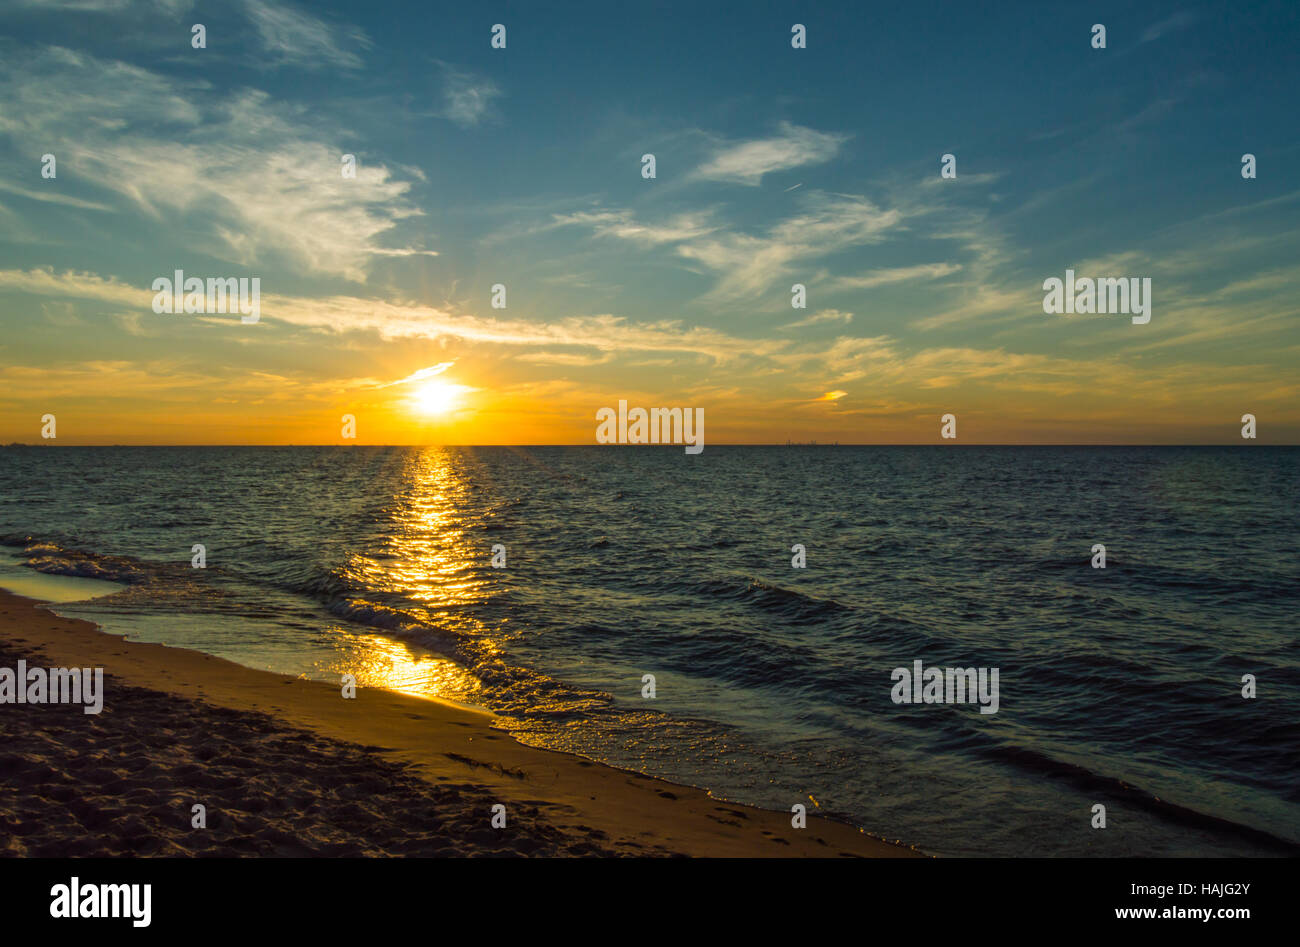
(21, 444)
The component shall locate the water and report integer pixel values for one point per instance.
(1118, 686)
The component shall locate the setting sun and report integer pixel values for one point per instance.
(437, 397)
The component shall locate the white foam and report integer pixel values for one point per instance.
(29, 583)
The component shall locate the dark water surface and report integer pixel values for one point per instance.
(1119, 686)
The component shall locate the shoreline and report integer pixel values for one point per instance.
(440, 765)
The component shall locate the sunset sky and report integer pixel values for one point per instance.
(522, 166)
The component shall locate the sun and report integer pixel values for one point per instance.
(436, 397)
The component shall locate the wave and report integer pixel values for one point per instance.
(1088, 781)
(1266, 583)
(52, 559)
(790, 604)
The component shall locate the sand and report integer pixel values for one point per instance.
(287, 767)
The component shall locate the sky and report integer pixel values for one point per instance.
(522, 167)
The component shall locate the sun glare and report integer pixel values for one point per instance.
(436, 397)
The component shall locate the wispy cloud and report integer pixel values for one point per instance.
(914, 380)
(52, 197)
(400, 252)
(748, 264)
(420, 375)
(1172, 24)
(745, 263)
(290, 36)
(623, 225)
(101, 6)
(393, 321)
(74, 284)
(821, 318)
(247, 174)
(747, 162)
(467, 98)
(923, 271)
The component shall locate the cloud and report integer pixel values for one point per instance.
(570, 358)
(102, 6)
(1149, 114)
(251, 180)
(846, 359)
(400, 321)
(922, 271)
(897, 376)
(467, 99)
(1179, 21)
(622, 224)
(290, 36)
(746, 163)
(52, 197)
(826, 315)
(982, 300)
(402, 252)
(43, 281)
(748, 264)
(420, 375)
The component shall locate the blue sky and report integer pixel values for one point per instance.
(775, 166)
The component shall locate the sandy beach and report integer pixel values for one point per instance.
(287, 767)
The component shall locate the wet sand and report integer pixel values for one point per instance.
(288, 767)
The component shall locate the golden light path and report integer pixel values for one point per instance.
(433, 555)
(386, 664)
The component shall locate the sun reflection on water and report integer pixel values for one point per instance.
(383, 663)
(424, 577)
